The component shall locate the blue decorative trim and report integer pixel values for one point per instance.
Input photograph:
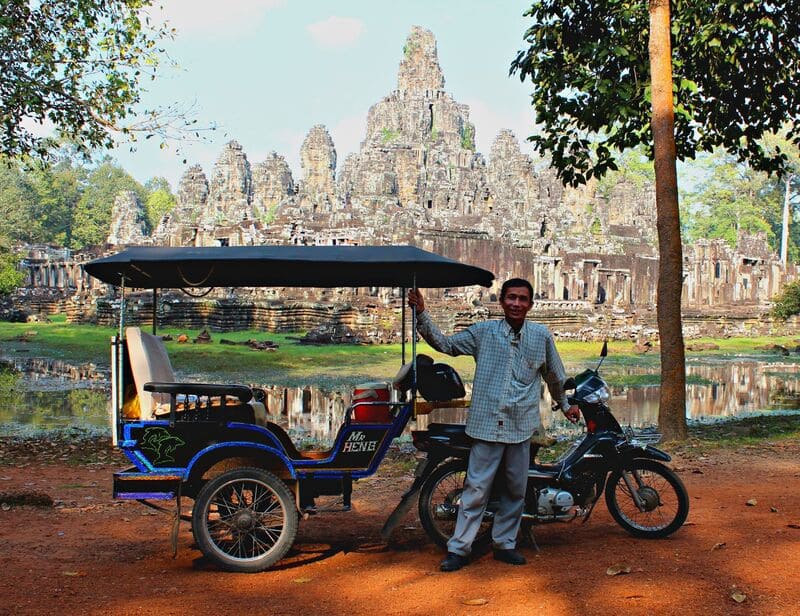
(245, 444)
(143, 495)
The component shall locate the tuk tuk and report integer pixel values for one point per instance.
(215, 443)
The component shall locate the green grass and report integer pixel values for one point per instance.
(650, 380)
(297, 364)
(742, 432)
(729, 346)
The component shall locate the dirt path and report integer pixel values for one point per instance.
(92, 555)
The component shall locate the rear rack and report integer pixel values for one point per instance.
(645, 436)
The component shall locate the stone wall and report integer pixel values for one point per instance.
(417, 179)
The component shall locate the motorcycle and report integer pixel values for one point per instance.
(643, 495)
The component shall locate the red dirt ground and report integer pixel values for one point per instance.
(92, 555)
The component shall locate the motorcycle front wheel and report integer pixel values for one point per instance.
(663, 497)
(439, 502)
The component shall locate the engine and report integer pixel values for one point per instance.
(555, 504)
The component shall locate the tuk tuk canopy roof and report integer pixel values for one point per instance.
(145, 267)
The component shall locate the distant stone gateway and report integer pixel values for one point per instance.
(417, 179)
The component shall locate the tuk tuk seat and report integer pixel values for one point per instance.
(149, 363)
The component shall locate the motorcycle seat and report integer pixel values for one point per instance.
(545, 471)
(454, 433)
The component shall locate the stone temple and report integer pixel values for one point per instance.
(418, 179)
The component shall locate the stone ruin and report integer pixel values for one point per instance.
(418, 179)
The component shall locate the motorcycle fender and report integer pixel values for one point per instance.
(651, 453)
(657, 454)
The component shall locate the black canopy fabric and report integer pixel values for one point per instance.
(147, 267)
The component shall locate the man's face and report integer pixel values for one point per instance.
(516, 303)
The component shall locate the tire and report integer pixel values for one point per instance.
(244, 520)
(443, 490)
(666, 501)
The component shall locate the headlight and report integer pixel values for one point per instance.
(602, 394)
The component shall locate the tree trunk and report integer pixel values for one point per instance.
(785, 221)
(672, 405)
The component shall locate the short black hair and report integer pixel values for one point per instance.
(515, 282)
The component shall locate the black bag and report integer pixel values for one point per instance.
(439, 382)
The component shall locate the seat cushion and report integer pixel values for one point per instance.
(149, 363)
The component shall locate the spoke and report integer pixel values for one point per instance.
(271, 521)
(264, 495)
(271, 540)
(221, 525)
(239, 493)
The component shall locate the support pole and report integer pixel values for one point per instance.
(155, 310)
(403, 327)
(120, 359)
(414, 347)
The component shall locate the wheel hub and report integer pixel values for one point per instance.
(649, 498)
(244, 520)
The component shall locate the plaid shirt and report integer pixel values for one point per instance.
(508, 370)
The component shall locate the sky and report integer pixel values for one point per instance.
(266, 71)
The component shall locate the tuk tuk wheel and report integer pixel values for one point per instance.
(245, 520)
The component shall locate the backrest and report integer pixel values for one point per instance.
(149, 363)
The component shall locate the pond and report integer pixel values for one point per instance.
(43, 395)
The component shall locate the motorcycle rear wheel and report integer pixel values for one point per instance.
(665, 500)
(439, 502)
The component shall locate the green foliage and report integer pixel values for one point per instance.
(735, 66)
(633, 167)
(78, 66)
(434, 134)
(388, 135)
(10, 276)
(159, 201)
(731, 198)
(57, 189)
(409, 48)
(17, 199)
(43, 203)
(36, 201)
(468, 137)
(787, 304)
(267, 217)
(92, 217)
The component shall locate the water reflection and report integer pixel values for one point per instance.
(41, 395)
(48, 396)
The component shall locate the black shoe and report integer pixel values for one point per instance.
(512, 557)
(453, 562)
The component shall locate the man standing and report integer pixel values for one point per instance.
(511, 355)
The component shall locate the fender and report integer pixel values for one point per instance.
(220, 451)
(648, 452)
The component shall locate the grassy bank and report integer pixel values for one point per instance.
(295, 363)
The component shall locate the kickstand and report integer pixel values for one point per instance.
(527, 536)
(176, 521)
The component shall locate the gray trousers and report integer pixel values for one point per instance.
(484, 460)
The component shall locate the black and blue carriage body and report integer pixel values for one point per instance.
(171, 454)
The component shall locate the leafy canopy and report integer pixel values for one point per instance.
(787, 304)
(77, 67)
(10, 276)
(92, 215)
(736, 65)
(730, 198)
